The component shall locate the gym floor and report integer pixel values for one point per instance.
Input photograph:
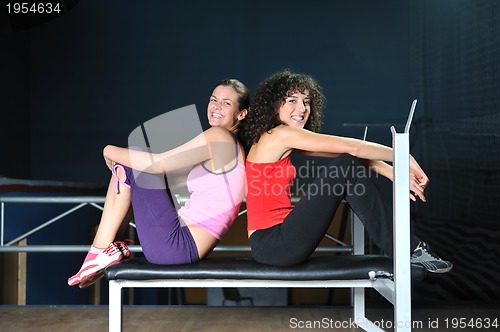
(220, 319)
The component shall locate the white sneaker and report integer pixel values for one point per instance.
(102, 260)
(424, 256)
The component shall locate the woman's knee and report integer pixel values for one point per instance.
(342, 167)
(345, 159)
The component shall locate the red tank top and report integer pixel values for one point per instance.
(268, 196)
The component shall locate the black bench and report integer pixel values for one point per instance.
(355, 267)
(356, 271)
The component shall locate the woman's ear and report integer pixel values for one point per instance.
(242, 114)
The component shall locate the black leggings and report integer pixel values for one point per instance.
(294, 240)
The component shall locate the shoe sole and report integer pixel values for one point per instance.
(439, 271)
(92, 280)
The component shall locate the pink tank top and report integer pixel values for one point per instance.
(215, 198)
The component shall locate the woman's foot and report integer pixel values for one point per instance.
(423, 255)
(96, 261)
(122, 246)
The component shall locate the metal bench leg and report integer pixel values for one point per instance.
(115, 306)
(401, 224)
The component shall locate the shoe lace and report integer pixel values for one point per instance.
(123, 244)
(430, 252)
(111, 250)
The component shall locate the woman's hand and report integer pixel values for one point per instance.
(416, 189)
(418, 181)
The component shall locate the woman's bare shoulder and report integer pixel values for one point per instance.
(284, 132)
(218, 134)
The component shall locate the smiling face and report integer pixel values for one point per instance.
(296, 109)
(222, 108)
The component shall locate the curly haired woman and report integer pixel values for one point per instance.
(285, 117)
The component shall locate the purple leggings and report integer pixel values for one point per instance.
(164, 238)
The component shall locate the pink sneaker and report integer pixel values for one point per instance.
(102, 260)
(122, 246)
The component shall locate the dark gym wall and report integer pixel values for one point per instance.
(98, 71)
(456, 73)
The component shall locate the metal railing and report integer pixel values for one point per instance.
(94, 201)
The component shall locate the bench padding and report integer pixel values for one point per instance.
(316, 268)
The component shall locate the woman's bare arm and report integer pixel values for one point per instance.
(305, 140)
(376, 154)
(198, 150)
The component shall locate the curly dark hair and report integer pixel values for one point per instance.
(270, 95)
